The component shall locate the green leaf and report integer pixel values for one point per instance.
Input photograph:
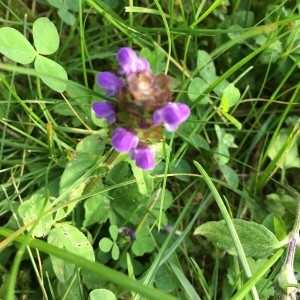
(68, 290)
(230, 175)
(66, 16)
(256, 239)
(222, 154)
(230, 97)
(220, 87)
(51, 73)
(31, 209)
(272, 54)
(123, 207)
(56, 3)
(233, 120)
(71, 239)
(64, 4)
(291, 158)
(155, 58)
(276, 224)
(105, 244)
(225, 141)
(15, 46)
(206, 66)
(280, 203)
(144, 180)
(96, 209)
(73, 181)
(228, 140)
(45, 36)
(62, 269)
(72, 5)
(75, 171)
(91, 144)
(102, 294)
(181, 166)
(79, 92)
(143, 243)
(119, 173)
(69, 203)
(115, 252)
(196, 89)
(114, 232)
(165, 279)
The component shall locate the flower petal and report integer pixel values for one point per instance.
(106, 110)
(123, 140)
(130, 62)
(144, 157)
(171, 115)
(109, 82)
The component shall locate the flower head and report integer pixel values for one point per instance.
(130, 62)
(143, 157)
(105, 110)
(143, 100)
(124, 140)
(110, 82)
(171, 115)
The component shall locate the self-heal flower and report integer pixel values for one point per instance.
(130, 62)
(144, 157)
(124, 140)
(105, 110)
(143, 103)
(171, 115)
(110, 82)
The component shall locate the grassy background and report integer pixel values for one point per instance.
(254, 45)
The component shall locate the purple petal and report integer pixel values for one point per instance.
(144, 157)
(109, 82)
(126, 55)
(142, 64)
(123, 140)
(171, 115)
(130, 62)
(105, 110)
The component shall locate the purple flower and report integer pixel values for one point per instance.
(144, 157)
(130, 62)
(109, 82)
(123, 140)
(171, 115)
(105, 110)
(128, 231)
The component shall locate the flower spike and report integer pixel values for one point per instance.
(144, 100)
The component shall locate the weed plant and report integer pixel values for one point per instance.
(215, 217)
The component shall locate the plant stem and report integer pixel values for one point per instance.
(286, 278)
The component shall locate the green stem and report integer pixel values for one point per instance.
(286, 277)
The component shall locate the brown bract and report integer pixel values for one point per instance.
(148, 90)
